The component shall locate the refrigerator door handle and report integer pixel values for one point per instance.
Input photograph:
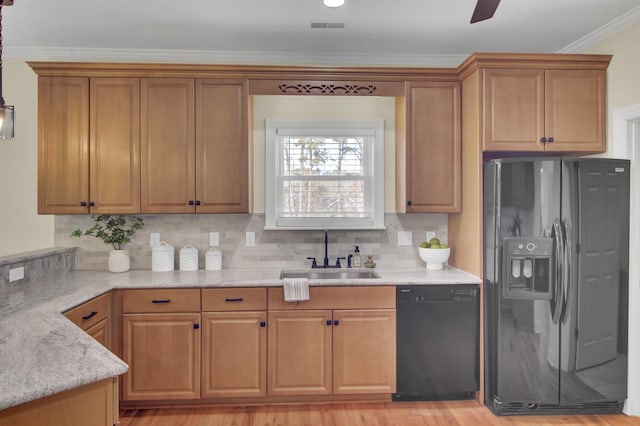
(567, 285)
(556, 301)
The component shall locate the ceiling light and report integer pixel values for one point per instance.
(333, 3)
(7, 112)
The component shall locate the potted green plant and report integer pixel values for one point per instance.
(116, 231)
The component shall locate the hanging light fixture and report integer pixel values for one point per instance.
(7, 112)
(333, 3)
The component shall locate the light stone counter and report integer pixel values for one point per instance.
(42, 353)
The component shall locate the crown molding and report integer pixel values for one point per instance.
(607, 30)
(229, 57)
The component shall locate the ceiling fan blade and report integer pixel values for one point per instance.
(484, 10)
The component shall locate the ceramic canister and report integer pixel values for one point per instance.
(162, 257)
(188, 258)
(213, 260)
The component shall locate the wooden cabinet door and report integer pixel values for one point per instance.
(299, 352)
(114, 150)
(364, 351)
(163, 353)
(222, 161)
(513, 110)
(100, 332)
(433, 157)
(234, 354)
(575, 111)
(63, 145)
(168, 145)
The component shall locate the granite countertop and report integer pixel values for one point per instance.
(43, 353)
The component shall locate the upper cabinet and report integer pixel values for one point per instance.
(433, 147)
(63, 145)
(194, 146)
(88, 145)
(552, 110)
(222, 158)
(168, 145)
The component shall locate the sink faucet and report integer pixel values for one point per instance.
(326, 249)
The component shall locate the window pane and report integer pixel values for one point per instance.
(325, 198)
(322, 156)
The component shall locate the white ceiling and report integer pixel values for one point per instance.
(376, 32)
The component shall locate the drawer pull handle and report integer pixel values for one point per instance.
(91, 315)
(161, 301)
(238, 299)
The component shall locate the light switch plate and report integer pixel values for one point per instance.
(16, 274)
(430, 235)
(404, 238)
(214, 239)
(154, 239)
(250, 239)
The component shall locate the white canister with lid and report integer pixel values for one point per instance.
(188, 258)
(162, 257)
(213, 260)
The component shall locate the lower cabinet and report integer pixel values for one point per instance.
(364, 351)
(248, 344)
(163, 353)
(161, 344)
(300, 352)
(93, 317)
(95, 404)
(234, 354)
(333, 351)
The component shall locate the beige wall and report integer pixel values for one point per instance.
(323, 107)
(21, 229)
(623, 83)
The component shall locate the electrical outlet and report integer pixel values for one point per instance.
(430, 235)
(404, 238)
(250, 239)
(214, 239)
(154, 239)
(16, 274)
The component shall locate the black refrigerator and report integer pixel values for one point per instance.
(556, 262)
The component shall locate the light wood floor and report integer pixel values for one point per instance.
(450, 413)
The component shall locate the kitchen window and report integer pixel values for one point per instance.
(324, 174)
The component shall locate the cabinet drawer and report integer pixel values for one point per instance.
(343, 297)
(161, 300)
(234, 299)
(90, 313)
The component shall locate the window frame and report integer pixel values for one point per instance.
(374, 162)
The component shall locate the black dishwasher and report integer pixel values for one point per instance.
(437, 342)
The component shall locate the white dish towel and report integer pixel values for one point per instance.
(295, 289)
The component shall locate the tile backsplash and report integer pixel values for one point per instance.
(273, 249)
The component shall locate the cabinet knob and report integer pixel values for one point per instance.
(192, 203)
(263, 323)
(197, 202)
(328, 322)
(196, 326)
(409, 202)
(336, 322)
(550, 140)
(83, 204)
(543, 139)
(91, 204)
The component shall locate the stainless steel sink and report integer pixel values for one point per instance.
(330, 274)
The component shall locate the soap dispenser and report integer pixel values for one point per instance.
(357, 260)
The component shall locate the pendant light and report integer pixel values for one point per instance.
(7, 112)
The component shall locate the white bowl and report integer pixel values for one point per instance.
(435, 258)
